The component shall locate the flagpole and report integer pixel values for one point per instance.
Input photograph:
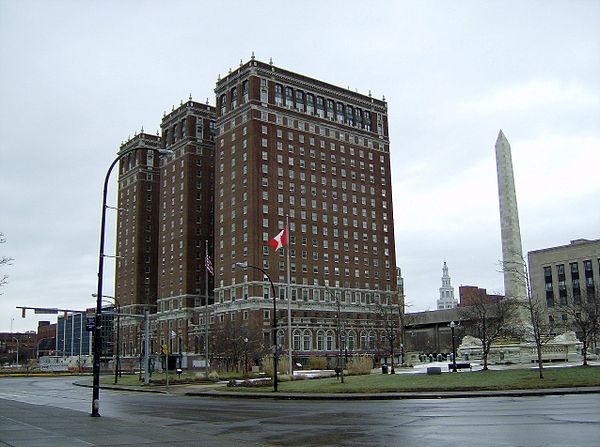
(289, 298)
(206, 309)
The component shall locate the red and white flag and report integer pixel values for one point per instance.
(209, 265)
(280, 240)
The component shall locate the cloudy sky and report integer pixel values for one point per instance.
(79, 77)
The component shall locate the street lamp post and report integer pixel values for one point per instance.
(17, 340)
(245, 356)
(97, 329)
(452, 326)
(245, 265)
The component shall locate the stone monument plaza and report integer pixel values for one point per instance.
(564, 347)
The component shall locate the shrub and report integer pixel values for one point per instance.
(317, 362)
(267, 364)
(213, 375)
(360, 364)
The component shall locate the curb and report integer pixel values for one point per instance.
(361, 396)
(120, 388)
(395, 396)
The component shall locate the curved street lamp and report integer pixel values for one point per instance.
(245, 265)
(97, 329)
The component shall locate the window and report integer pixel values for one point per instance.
(330, 108)
(320, 340)
(233, 98)
(300, 100)
(245, 91)
(289, 97)
(310, 104)
(320, 107)
(307, 340)
(329, 341)
(223, 104)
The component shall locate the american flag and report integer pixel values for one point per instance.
(209, 265)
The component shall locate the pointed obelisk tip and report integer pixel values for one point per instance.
(500, 136)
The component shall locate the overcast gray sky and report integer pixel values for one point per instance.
(79, 77)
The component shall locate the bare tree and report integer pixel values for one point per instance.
(405, 320)
(234, 344)
(543, 329)
(389, 322)
(490, 322)
(4, 260)
(584, 317)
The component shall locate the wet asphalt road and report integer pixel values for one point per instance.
(571, 420)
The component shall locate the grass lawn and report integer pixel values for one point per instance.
(479, 380)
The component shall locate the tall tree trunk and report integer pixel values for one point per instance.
(584, 348)
(538, 345)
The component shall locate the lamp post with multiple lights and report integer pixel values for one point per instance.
(245, 265)
(97, 344)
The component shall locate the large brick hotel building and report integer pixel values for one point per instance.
(278, 146)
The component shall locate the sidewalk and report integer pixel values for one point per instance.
(55, 427)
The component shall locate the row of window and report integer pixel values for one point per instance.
(307, 294)
(178, 131)
(303, 102)
(579, 285)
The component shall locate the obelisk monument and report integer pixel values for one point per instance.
(512, 251)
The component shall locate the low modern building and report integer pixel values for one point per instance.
(72, 338)
(17, 347)
(470, 295)
(565, 275)
(46, 339)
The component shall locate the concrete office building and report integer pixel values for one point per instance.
(565, 275)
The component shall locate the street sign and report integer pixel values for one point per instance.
(90, 323)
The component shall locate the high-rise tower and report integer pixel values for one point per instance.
(512, 251)
(289, 145)
(185, 223)
(137, 237)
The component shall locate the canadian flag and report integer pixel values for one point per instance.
(280, 240)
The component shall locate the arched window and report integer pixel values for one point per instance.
(363, 340)
(296, 340)
(307, 340)
(330, 346)
(280, 338)
(371, 340)
(351, 340)
(320, 340)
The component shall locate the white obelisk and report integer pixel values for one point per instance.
(512, 251)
